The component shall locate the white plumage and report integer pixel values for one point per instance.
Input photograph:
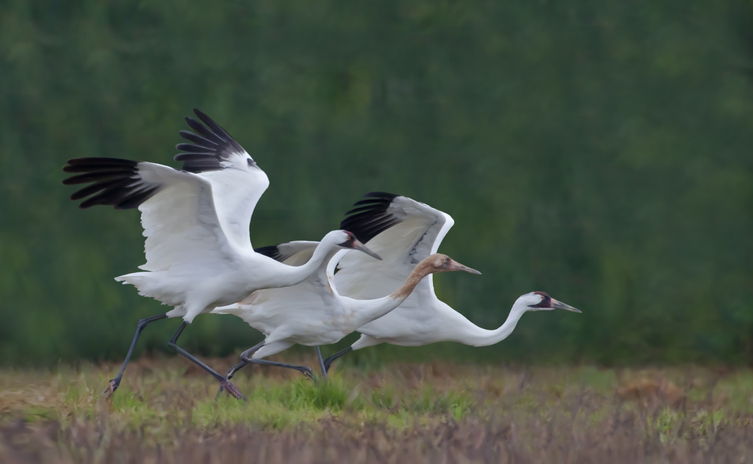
(312, 312)
(196, 223)
(403, 231)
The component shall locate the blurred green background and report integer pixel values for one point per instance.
(599, 151)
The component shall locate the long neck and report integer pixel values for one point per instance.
(470, 334)
(287, 275)
(369, 310)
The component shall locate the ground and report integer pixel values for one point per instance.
(165, 411)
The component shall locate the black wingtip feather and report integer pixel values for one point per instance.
(381, 195)
(114, 182)
(97, 186)
(96, 174)
(209, 140)
(370, 218)
(95, 161)
(213, 126)
(135, 200)
(195, 138)
(192, 148)
(271, 251)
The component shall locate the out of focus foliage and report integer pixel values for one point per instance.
(599, 151)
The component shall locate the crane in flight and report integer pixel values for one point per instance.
(196, 223)
(403, 232)
(313, 313)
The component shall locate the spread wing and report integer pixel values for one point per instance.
(237, 181)
(292, 253)
(400, 230)
(177, 208)
(270, 308)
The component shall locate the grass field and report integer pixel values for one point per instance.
(416, 413)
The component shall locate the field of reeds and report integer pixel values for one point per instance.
(165, 412)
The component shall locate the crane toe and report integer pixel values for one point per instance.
(111, 387)
(231, 390)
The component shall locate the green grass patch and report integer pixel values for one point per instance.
(161, 401)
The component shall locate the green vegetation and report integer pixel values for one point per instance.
(274, 403)
(402, 411)
(599, 151)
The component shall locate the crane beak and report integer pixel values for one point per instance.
(456, 266)
(357, 245)
(565, 306)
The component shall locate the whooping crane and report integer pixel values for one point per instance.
(312, 312)
(196, 224)
(404, 231)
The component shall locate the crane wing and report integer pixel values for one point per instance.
(292, 253)
(177, 208)
(400, 230)
(270, 308)
(237, 182)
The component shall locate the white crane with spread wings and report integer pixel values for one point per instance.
(403, 232)
(312, 312)
(196, 223)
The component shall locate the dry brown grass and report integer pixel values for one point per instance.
(434, 412)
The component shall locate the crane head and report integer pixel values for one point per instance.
(540, 301)
(443, 263)
(350, 241)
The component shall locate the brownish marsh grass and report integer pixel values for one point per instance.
(416, 413)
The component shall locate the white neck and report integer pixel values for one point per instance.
(470, 334)
(286, 275)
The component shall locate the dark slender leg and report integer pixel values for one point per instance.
(246, 359)
(246, 356)
(328, 361)
(115, 383)
(224, 383)
(321, 363)
(231, 372)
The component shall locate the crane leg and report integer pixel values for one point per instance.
(246, 356)
(247, 359)
(321, 363)
(231, 372)
(115, 383)
(224, 383)
(327, 363)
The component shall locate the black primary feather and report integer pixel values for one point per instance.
(370, 218)
(209, 145)
(272, 251)
(115, 182)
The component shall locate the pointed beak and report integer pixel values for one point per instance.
(456, 266)
(565, 306)
(357, 245)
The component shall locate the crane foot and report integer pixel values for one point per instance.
(231, 390)
(111, 387)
